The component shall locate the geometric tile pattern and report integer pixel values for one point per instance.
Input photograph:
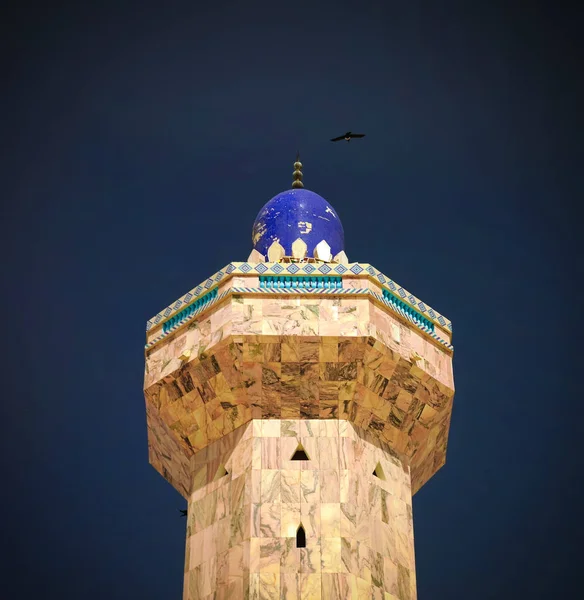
(248, 500)
(210, 299)
(295, 282)
(297, 291)
(353, 269)
(408, 312)
(192, 309)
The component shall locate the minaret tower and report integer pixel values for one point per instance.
(297, 401)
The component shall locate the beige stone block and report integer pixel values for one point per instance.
(364, 561)
(329, 485)
(269, 586)
(403, 582)
(310, 445)
(346, 453)
(256, 485)
(199, 481)
(331, 554)
(361, 589)
(328, 351)
(290, 486)
(310, 586)
(256, 460)
(344, 485)
(270, 485)
(330, 519)
(290, 520)
(289, 589)
(232, 588)
(310, 519)
(310, 428)
(254, 556)
(221, 532)
(270, 555)
(290, 428)
(427, 415)
(208, 576)
(329, 428)
(196, 556)
(271, 428)
(288, 446)
(255, 520)
(310, 557)
(335, 586)
(328, 453)
(310, 486)
(270, 515)
(254, 586)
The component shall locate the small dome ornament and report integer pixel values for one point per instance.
(297, 183)
(293, 223)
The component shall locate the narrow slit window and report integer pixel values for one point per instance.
(378, 472)
(221, 472)
(300, 454)
(300, 537)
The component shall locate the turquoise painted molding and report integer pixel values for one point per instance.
(300, 282)
(400, 306)
(189, 311)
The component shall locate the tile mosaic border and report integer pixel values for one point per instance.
(352, 269)
(184, 321)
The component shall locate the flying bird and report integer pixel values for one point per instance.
(183, 513)
(348, 136)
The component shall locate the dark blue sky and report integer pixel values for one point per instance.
(139, 141)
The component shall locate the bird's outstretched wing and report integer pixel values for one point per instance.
(338, 139)
(357, 135)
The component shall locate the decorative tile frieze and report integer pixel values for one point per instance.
(387, 300)
(292, 282)
(299, 269)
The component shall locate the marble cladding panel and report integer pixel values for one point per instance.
(195, 339)
(248, 498)
(358, 379)
(166, 455)
(283, 316)
(407, 341)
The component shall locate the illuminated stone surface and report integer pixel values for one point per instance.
(241, 530)
(240, 386)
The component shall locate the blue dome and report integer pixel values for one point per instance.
(298, 213)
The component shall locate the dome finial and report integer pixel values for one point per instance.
(297, 183)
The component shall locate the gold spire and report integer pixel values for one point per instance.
(297, 183)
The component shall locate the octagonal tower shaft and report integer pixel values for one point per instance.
(243, 526)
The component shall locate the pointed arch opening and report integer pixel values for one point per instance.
(378, 472)
(300, 453)
(300, 537)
